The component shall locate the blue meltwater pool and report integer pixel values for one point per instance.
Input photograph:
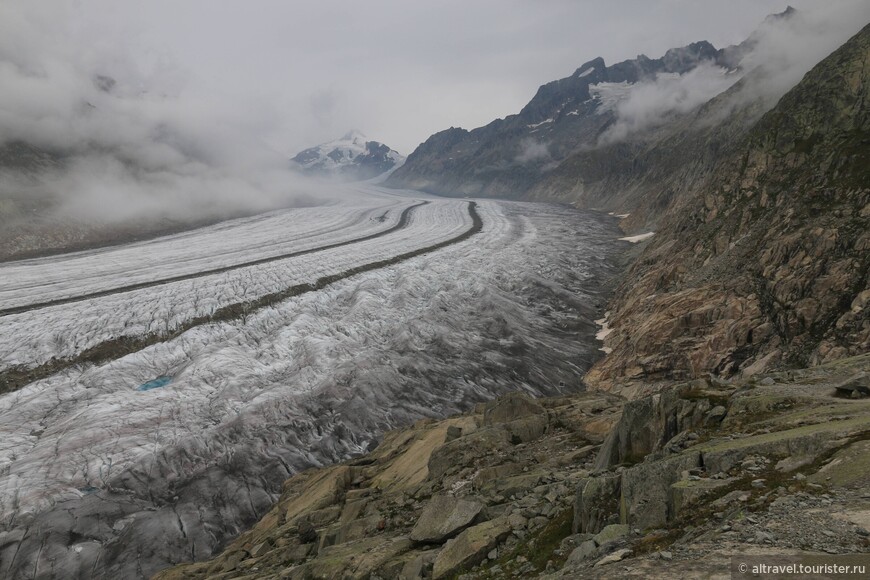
(154, 384)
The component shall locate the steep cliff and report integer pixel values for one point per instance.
(763, 260)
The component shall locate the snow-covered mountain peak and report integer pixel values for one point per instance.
(353, 157)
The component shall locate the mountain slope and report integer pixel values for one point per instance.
(764, 260)
(353, 157)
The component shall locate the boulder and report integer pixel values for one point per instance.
(515, 485)
(453, 432)
(307, 533)
(347, 532)
(355, 560)
(444, 518)
(413, 565)
(645, 490)
(583, 552)
(715, 416)
(488, 476)
(260, 549)
(470, 547)
(466, 450)
(855, 386)
(322, 517)
(617, 556)
(597, 499)
(527, 429)
(611, 533)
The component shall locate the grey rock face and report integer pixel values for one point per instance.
(444, 518)
(648, 424)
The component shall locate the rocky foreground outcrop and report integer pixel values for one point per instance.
(585, 486)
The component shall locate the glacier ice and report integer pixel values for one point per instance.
(171, 473)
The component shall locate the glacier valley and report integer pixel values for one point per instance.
(408, 307)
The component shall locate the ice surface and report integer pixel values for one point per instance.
(311, 380)
(34, 337)
(223, 244)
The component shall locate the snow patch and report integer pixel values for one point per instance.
(638, 238)
(586, 72)
(342, 154)
(603, 332)
(544, 122)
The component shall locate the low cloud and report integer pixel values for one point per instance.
(782, 51)
(786, 49)
(650, 104)
(532, 151)
(130, 141)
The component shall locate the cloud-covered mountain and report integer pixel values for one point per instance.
(591, 137)
(353, 158)
(738, 159)
(97, 147)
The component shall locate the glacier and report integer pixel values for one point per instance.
(102, 478)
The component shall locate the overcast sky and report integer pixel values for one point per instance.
(394, 69)
(202, 85)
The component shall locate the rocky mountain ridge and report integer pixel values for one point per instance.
(567, 120)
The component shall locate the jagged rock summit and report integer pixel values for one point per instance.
(353, 158)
